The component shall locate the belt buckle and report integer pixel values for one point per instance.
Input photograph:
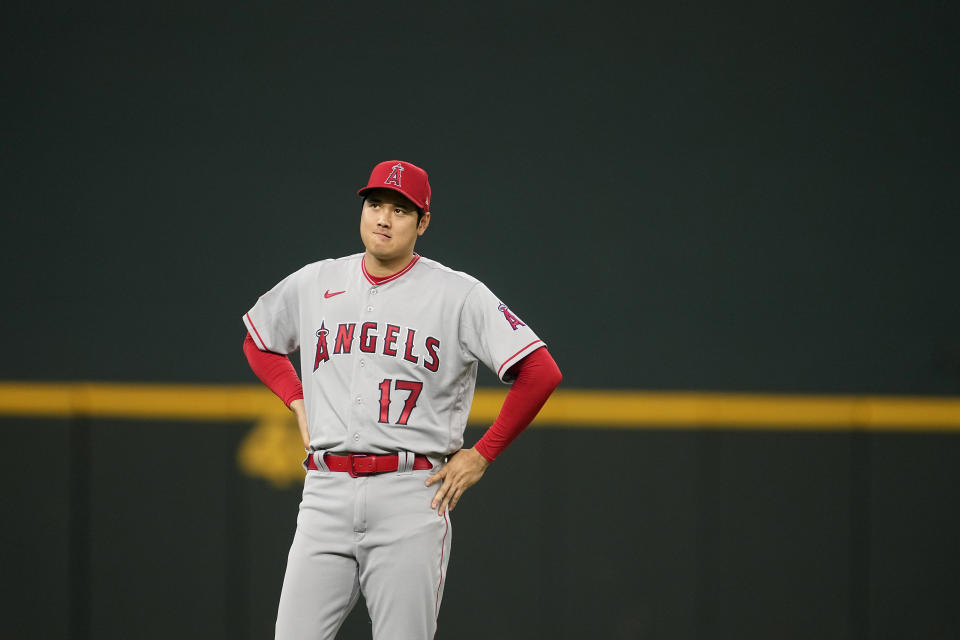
(362, 464)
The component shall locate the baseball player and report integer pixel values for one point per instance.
(389, 347)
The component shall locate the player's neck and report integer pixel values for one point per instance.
(381, 269)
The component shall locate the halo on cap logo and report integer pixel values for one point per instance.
(396, 172)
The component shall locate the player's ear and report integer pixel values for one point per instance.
(424, 223)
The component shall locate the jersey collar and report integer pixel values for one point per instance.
(374, 280)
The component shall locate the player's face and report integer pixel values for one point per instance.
(389, 227)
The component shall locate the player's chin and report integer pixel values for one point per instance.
(377, 248)
(381, 247)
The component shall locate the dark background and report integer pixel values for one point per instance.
(746, 197)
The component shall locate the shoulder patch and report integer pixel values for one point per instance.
(514, 321)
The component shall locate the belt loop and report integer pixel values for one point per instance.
(319, 461)
(404, 462)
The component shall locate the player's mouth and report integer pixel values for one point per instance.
(381, 234)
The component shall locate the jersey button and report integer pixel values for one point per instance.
(373, 292)
(356, 437)
(359, 399)
(362, 363)
(369, 308)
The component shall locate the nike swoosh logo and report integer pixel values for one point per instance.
(330, 294)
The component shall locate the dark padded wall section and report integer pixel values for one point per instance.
(732, 197)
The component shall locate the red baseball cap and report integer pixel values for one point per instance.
(402, 177)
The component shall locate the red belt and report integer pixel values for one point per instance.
(363, 464)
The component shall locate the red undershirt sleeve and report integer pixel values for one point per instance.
(274, 370)
(537, 377)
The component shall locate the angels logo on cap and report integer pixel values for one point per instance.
(395, 174)
(403, 177)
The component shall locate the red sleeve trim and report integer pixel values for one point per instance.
(537, 377)
(262, 345)
(507, 361)
(274, 370)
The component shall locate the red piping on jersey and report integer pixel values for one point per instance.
(375, 280)
(262, 344)
(436, 608)
(507, 361)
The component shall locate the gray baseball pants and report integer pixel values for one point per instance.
(375, 535)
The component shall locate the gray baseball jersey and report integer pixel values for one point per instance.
(388, 366)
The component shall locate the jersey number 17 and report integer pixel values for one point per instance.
(413, 390)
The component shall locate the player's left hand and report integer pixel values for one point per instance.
(463, 470)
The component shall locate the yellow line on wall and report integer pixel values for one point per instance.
(567, 408)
